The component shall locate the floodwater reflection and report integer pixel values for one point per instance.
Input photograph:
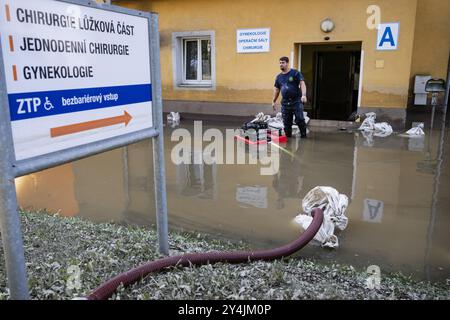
(398, 191)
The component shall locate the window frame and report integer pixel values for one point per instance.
(179, 60)
(199, 79)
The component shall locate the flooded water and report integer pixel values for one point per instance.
(398, 190)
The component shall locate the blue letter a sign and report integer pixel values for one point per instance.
(387, 36)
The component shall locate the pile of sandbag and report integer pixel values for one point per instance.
(277, 121)
(381, 129)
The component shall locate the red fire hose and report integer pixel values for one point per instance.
(107, 289)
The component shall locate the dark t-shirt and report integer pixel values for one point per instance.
(289, 84)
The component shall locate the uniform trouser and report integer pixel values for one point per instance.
(288, 111)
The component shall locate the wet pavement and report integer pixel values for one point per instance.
(398, 190)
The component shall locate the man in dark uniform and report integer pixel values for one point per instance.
(293, 90)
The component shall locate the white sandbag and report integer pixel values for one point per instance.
(261, 117)
(369, 122)
(276, 122)
(330, 201)
(333, 205)
(279, 117)
(173, 117)
(325, 235)
(382, 129)
(416, 131)
(275, 125)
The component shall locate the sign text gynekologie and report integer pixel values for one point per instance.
(74, 74)
(253, 40)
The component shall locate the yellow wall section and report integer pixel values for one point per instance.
(432, 38)
(248, 78)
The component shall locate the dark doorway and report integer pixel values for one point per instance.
(333, 79)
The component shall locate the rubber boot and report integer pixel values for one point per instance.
(288, 132)
(302, 128)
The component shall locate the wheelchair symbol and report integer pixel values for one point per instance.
(48, 105)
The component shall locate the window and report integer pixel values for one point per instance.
(194, 60)
(197, 61)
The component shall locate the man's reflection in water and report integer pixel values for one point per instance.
(289, 181)
(197, 178)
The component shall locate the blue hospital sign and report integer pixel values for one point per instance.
(387, 36)
(74, 74)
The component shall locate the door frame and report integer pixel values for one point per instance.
(361, 66)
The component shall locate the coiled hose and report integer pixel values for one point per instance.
(107, 289)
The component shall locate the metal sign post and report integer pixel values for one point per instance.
(78, 78)
(9, 217)
(158, 141)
